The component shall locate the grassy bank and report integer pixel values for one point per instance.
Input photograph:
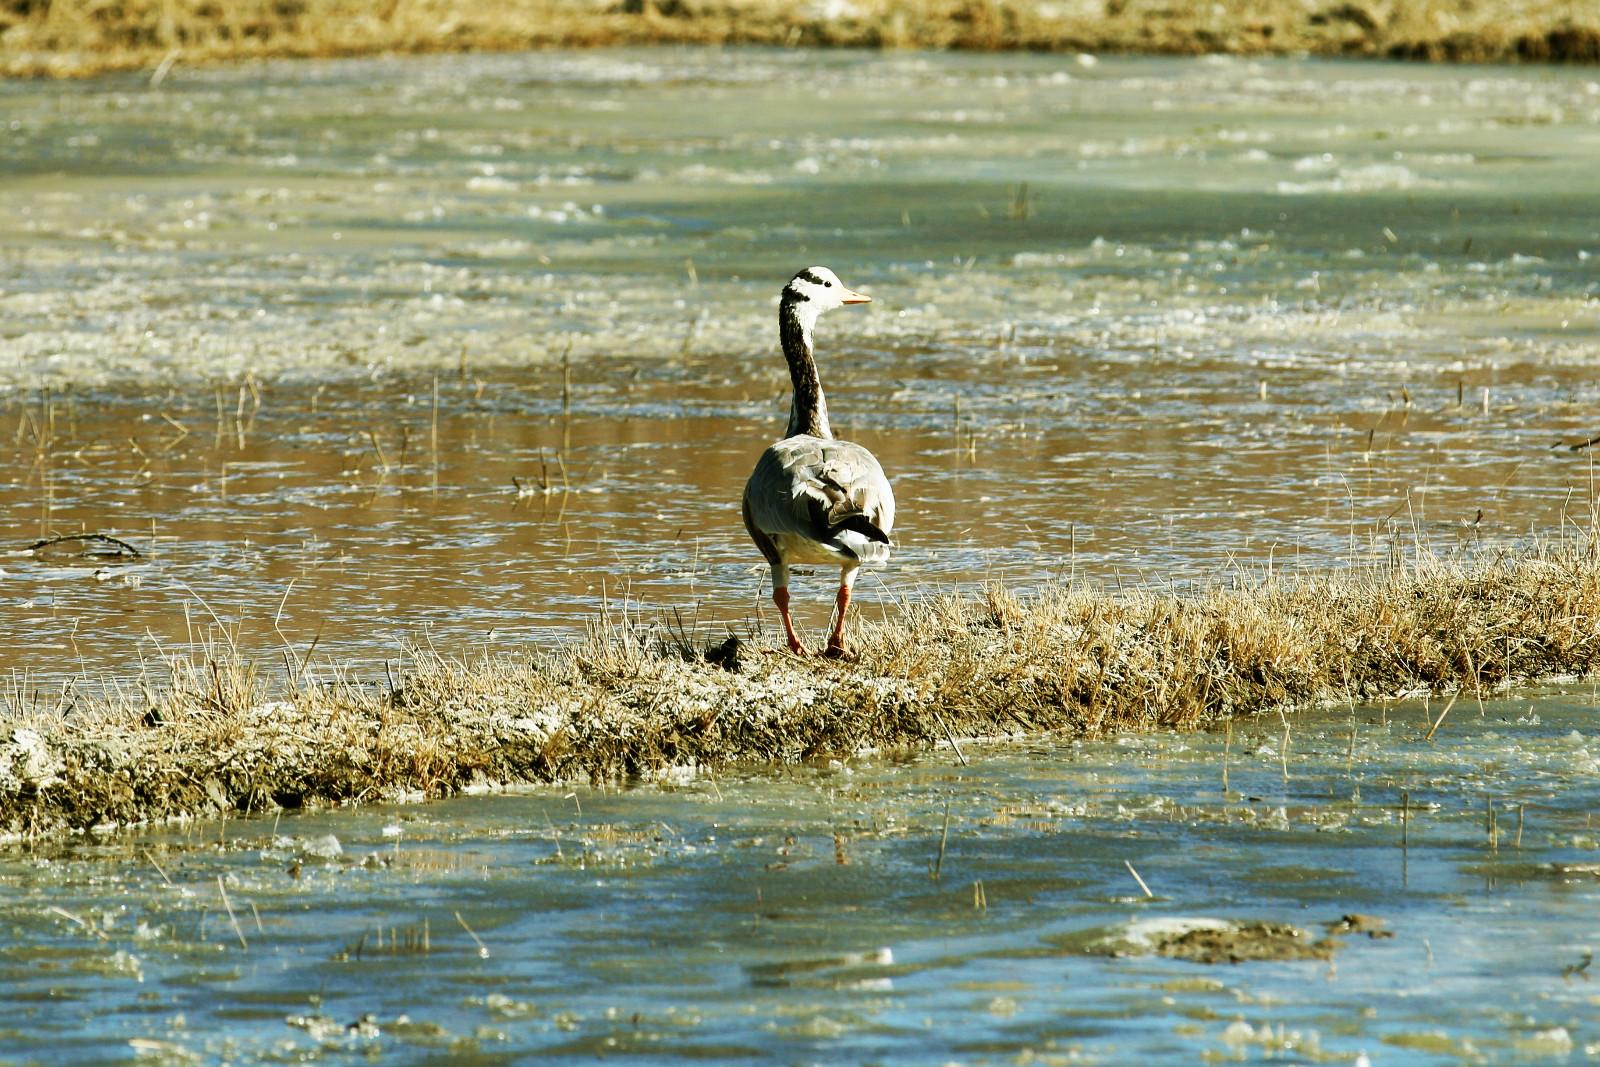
(221, 734)
(81, 37)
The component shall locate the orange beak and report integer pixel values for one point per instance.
(850, 296)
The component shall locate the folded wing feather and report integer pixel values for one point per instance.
(830, 492)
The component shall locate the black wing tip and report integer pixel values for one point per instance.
(863, 526)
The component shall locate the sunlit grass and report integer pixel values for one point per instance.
(78, 37)
(214, 729)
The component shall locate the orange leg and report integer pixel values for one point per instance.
(836, 639)
(780, 597)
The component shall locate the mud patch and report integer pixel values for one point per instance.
(1202, 940)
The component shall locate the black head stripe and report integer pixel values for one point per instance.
(791, 295)
(807, 276)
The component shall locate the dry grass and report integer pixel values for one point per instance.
(81, 37)
(217, 736)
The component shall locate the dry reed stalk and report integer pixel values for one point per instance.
(1136, 878)
(228, 906)
(483, 950)
(159, 869)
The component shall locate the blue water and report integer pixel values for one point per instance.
(793, 916)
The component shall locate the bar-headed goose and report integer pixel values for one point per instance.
(811, 498)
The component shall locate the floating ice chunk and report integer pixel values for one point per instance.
(326, 847)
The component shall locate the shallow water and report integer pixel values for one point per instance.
(1143, 320)
(796, 918)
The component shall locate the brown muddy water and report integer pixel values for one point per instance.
(361, 515)
(292, 331)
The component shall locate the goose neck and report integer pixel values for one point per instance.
(808, 412)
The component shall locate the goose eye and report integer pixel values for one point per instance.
(827, 285)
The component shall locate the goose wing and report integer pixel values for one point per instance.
(831, 493)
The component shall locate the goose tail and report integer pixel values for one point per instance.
(861, 538)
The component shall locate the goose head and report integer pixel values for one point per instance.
(817, 289)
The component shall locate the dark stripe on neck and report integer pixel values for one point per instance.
(807, 415)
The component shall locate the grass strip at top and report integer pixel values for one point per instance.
(74, 38)
(221, 736)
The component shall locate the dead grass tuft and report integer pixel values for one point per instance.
(68, 38)
(218, 735)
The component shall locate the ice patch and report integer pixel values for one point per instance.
(1374, 177)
